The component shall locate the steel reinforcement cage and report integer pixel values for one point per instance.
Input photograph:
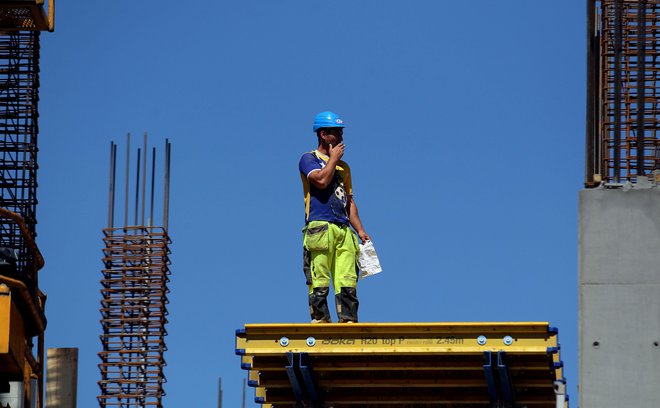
(623, 50)
(19, 97)
(134, 291)
(133, 316)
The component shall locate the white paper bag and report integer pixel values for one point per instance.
(368, 260)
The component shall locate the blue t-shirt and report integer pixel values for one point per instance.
(328, 204)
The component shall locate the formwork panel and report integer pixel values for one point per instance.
(402, 364)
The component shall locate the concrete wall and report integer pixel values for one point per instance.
(619, 298)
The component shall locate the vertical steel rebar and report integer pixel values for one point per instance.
(166, 200)
(618, 38)
(111, 193)
(596, 98)
(144, 177)
(137, 186)
(153, 179)
(591, 159)
(641, 83)
(128, 156)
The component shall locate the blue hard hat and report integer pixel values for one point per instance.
(327, 120)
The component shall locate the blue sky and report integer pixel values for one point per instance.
(465, 134)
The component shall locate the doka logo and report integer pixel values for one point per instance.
(340, 340)
(339, 121)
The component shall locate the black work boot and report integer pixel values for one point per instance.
(347, 305)
(318, 305)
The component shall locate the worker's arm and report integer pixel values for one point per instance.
(322, 178)
(354, 218)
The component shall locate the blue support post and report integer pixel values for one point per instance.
(490, 378)
(293, 378)
(308, 379)
(500, 387)
(506, 387)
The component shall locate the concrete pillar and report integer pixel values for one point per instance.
(62, 378)
(619, 297)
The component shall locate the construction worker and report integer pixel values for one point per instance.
(330, 246)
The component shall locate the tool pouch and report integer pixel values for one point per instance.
(316, 236)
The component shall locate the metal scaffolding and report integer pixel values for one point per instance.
(19, 98)
(22, 354)
(134, 296)
(623, 98)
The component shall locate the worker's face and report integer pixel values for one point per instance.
(334, 136)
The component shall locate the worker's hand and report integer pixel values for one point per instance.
(364, 236)
(336, 152)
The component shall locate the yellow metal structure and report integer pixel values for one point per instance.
(12, 349)
(402, 364)
(17, 364)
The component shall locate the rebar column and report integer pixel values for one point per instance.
(19, 98)
(133, 316)
(624, 82)
(134, 290)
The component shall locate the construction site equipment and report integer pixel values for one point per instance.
(22, 304)
(134, 294)
(623, 61)
(403, 364)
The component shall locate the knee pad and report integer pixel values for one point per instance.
(347, 305)
(318, 304)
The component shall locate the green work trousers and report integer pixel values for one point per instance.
(330, 254)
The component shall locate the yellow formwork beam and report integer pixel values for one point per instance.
(395, 338)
